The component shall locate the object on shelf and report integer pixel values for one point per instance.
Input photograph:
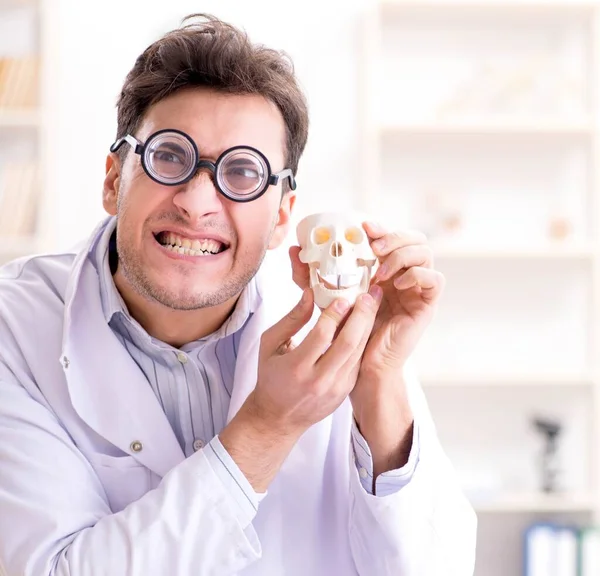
(560, 229)
(551, 550)
(440, 216)
(19, 189)
(589, 552)
(550, 468)
(534, 87)
(18, 83)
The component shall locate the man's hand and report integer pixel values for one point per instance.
(411, 290)
(298, 386)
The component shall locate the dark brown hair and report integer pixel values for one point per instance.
(214, 54)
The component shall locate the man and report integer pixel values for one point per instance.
(166, 410)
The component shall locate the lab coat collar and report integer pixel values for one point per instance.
(107, 388)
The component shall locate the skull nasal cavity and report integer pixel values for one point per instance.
(336, 249)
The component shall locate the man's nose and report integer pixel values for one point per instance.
(199, 197)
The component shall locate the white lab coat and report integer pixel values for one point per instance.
(77, 500)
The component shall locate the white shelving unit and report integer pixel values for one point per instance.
(509, 380)
(25, 127)
(488, 128)
(446, 251)
(533, 502)
(466, 135)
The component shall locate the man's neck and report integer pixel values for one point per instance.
(174, 327)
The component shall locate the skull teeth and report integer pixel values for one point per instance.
(346, 281)
(340, 281)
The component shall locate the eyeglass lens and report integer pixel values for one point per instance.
(242, 173)
(171, 158)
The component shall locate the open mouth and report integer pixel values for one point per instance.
(188, 246)
(340, 281)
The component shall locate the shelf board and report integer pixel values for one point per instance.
(508, 380)
(489, 128)
(19, 118)
(559, 252)
(489, 6)
(535, 503)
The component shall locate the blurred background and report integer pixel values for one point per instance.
(475, 121)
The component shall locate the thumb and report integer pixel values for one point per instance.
(279, 335)
(300, 270)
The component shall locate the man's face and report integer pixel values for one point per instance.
(150, 215)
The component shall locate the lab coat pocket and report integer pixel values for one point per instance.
(125, 480)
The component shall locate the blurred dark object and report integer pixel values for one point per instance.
(550, 430)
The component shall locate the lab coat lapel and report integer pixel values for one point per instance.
(107, 388)
(246, 365)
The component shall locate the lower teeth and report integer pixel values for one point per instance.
(187, 251)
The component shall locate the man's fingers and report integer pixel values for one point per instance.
(374, 230)
(385, 242)
(430, 281)
(279, 335)
(403, 258)
(300, 270)
(353, 362)
(352, 338)
(323, 332)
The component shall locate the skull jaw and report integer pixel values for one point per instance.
(325, 295)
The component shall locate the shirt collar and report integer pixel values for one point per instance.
(113, 304)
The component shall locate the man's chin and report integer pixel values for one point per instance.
(192, 295)
(184, 299)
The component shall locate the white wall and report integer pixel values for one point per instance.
(96, 45)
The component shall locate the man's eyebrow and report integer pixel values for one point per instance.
(169, 146)
(241, 162)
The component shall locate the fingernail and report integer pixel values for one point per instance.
(375, 226)
(376, 293)
(382, 271)
(342, 305)
(378, 244)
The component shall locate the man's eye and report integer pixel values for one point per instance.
(242, 172)
(166, 156)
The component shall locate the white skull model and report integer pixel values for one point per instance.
(336, 248)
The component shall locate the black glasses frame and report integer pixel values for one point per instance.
(199, 163)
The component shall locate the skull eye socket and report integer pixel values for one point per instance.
(354, 235)
(321, 235)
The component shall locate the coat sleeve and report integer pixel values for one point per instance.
(428, 527)
(55, 519)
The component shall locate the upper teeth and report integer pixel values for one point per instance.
(347, 281)
(207, 245)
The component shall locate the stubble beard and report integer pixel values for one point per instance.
(187, 298)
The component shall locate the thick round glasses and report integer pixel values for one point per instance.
(171, 158)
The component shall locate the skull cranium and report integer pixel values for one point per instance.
(337, 250)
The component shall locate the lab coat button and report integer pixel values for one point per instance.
(182, 357)
(65, 362)
(198, 445)
(363, 472)
(136, 446)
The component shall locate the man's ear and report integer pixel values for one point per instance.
(110, 192)
(283, 219)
